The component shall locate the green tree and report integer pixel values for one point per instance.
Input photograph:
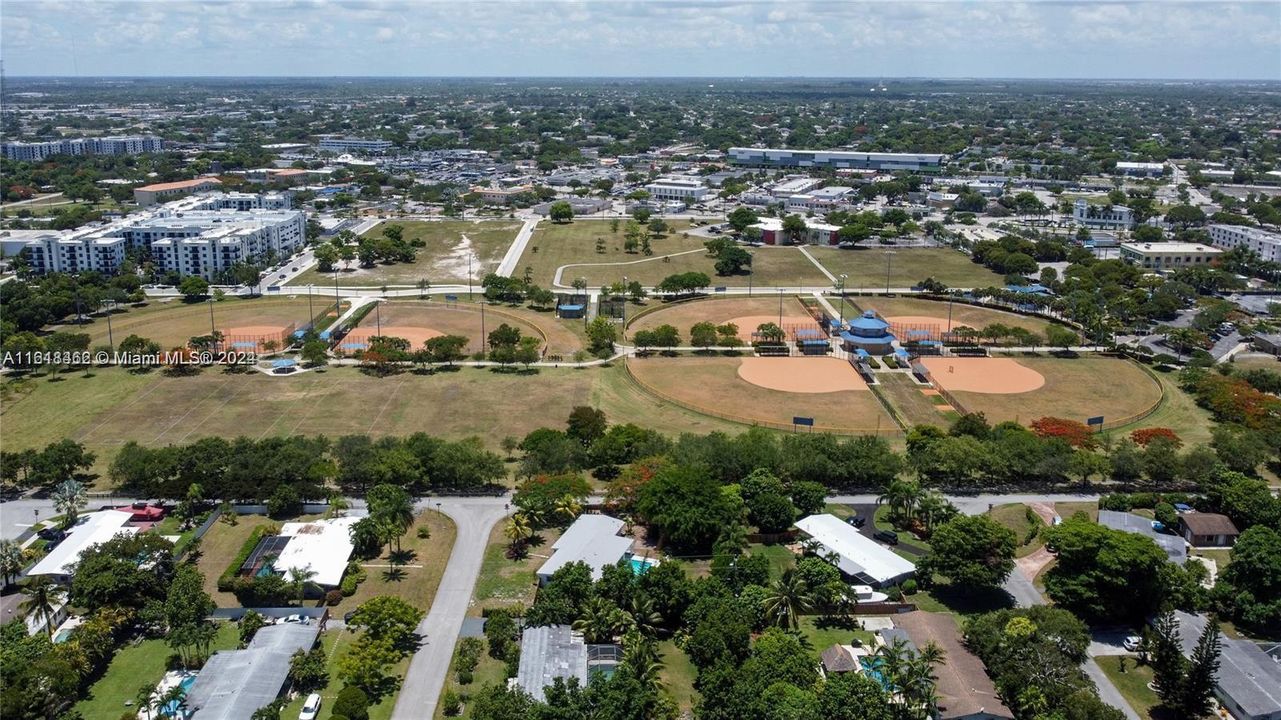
(601, 335)
(1105, 575)
(309, 670)
(561, 212)
(68, 498)
(42, 598)
(789, 598)
(972, 551)
(193, 288)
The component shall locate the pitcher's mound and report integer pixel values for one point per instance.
(801, 374)
(997, 376)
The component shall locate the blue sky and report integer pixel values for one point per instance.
(949, 38)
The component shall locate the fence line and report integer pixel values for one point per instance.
(949, 397)
(751, 421)
(1139, 416)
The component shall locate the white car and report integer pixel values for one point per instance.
(1132, 643)
(311, 708)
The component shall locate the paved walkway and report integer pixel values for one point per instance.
(475, 518)
(818, 265)
(517, 248)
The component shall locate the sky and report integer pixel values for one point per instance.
(1160, 39)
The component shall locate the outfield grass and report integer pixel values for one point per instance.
(173, 323)
(905, 396)
(134, 666)
(684, 315)
(442, 261)
(462, 319)
(866, 267)
(1132, 684)
(1177, 411)
(574, 244)
(1015, 517)
(1075, 388)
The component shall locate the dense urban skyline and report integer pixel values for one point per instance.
(1197, 40)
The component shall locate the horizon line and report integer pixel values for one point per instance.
(871, 78)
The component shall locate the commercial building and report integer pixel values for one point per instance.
(834, 159)
(556, 651)
(163, 192)
(687, 190)
(858, 556)
(91, 529)
(1249, 681)
(964, 690)
(795, 186)
(1169, 255)
(1264, 243)
(1112, 217)
(113, 145)
(1140, 169)
(343, 144)
(1202, 529)
(500, 196)
(592, 540)
(1175, 549)
(201, 235)
(816, 233)
(234, 684)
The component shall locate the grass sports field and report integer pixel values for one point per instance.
(684, 315)
(867, 266)
(173, 323)
(553, 246)
(714, 385)
(443, 260)
(968, 315)
(913, 406)
(416, 321)
(1075, 388)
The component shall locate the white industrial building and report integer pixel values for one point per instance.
(1140, 169)
(834, 159)
(592, 540)
(112, 145)
(342, 144)
(1169, 255)
(200, 235)
(1264, 243)
(858, 556)
(795, 186)
(1112, 217)
(681, 189)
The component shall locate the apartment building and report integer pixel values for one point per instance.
(1169, 255)
(681, 189)
(834, 159)
(202, 235)
(1266, 244)
(148, 195)
(111, 145)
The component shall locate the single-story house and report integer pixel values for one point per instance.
(234, 684)
(90, 529)
(322, 546)
(838, 659)
(556, 651)
(857, 556)
(1249, 680)
(965, 692)
(1175, 549)
(1208, 529)
(591, 539)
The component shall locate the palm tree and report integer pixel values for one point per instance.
(788, 599)
(602, 621)
(299, 577)
(568, 507)
(68, 498)
(43, 595)
(901, 496)
(733, 539)
(641, 655)
(518, 531)
(172, 703)
(932, 509)
(644, 616)
(11, 560)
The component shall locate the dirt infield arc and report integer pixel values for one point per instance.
(419, 321)
(999, 376)
(801, 375)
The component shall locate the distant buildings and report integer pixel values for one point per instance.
(834, 159)
(1112, 217)
(113, 145)
(202, 235)
(687, 190)
(343, 144)
(1264, 243)
(1169, 255)
(1140, 169)
(164, 192)
(500, 196)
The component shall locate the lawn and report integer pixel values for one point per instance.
(134, 666)
(418, 575)
(1132, 684)
(822, 638)
(1068, 509)
(905, 538)
(489, 671)
(902, 392)
(1075, 388)
(678, 675)
(866, 267)
(443, 260)
(1016, 517)
(574, 244)
(504, 582)
(219, 547)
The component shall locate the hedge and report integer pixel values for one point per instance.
(227, 581)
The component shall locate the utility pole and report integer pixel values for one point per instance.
(110, 341)
(212, 330)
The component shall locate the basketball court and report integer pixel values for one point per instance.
(801, 374)
(996, 376)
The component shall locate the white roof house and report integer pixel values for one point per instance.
(592, 539)
(857, 555)
(92, 529)
(323, 546)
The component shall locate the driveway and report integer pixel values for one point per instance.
(475, 518)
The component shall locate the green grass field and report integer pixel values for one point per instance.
(443, 260)
(1132, 684)
(905, 396)
(134, 666)
(1015, 517)
(553, 246)
(1177, 411)
(867, 266)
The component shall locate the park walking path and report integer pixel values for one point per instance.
(517, 248)
(818, 264)
(425, 678)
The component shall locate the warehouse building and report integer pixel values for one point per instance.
(834, 159)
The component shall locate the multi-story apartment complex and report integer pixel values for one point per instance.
(114, 145)
(1161, 256)
(834, 159)
(1114, 217)
(681, 189)
(1266, 244)
(201, 235)
(339, 143)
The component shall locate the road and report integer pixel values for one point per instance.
(475, 518)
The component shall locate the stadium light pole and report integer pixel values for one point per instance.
(841, 313)
(110, 341)
(212, 330)
(469, 276)
(780, 307)
(889, 258)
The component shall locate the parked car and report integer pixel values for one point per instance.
(1132, 643)
(857, 521)
(889, 537)
(293, 620)
(310, 708)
